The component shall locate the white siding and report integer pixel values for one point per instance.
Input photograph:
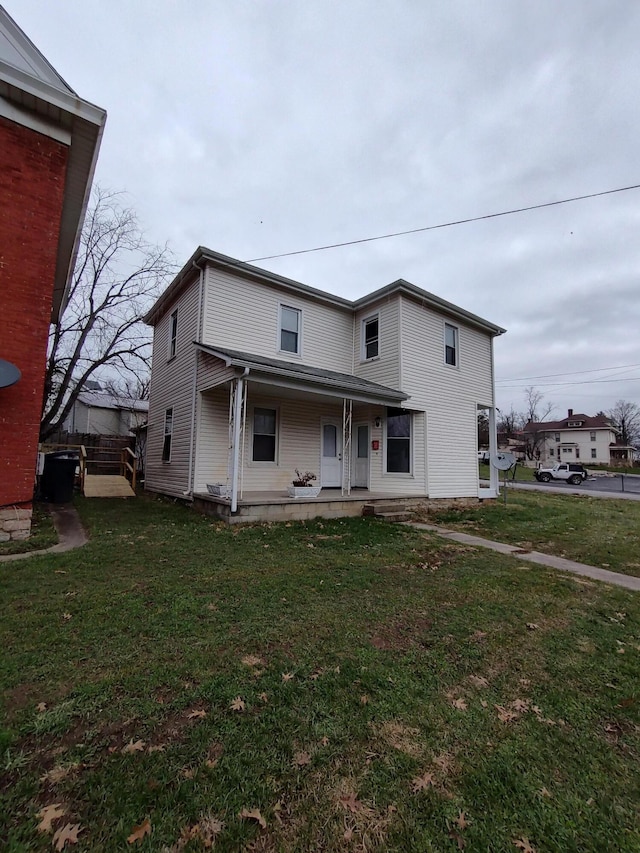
(243, 315)
(172, 386)
(581, 437)
(385, 370)
(449, 395)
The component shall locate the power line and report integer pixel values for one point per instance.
(445, 224)
(567, 373)
(584, 382)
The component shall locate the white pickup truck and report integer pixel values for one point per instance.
(574, 474)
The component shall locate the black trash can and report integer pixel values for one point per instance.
(58, 476)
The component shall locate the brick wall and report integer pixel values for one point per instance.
(32, 175)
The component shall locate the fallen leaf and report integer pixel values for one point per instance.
(59, 572)
(41, 707)
(544, 792)
(478, 681)
(324, 741)
(134, 746)
(520, 705)
(48, 814)
(159, 747)
(263, 697)
(348, 834)
(188, 772)
(209, 827)
(460, 704)
(462, 821)
(198, 714)
(301, 758)
(484, 703)
(532, 626)
(524, 844)
(364, 699)
(421, 782)
(504, 715)
(287, 676)
(254, 814)
(139, 832)
(252, 660)
(66, 617)
(57, 774)
(67, 833)
(458, 839)
(351, 803)
(237, 704)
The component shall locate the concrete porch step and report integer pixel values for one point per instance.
(392, 512)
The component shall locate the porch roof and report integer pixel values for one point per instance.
(301, 376)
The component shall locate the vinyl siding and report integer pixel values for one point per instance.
(449, 395)
(385, 369)
(243, 315)
(172, 387)
(298, 440)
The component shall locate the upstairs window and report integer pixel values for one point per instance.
(593, 436)
(173, 333)
(557, 436)
(574, 423)
(370, 338)
(594, 453)
(398, 441)
(450, 345)
(290, 322)
(168, 432)
(264, 435)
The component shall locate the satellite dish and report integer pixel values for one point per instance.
(503, 461)
(9, 373)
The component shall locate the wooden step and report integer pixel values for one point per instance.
(107, 486)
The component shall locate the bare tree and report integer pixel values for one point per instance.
(510, 422)
(117, 277)
(534, 416)
(625, 418)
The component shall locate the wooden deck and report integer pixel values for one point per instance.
(107, 486)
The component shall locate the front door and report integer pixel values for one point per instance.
(331, 462)
(361, 457)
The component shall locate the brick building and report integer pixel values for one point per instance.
(49, 141)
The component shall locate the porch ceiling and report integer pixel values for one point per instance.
(303, 378)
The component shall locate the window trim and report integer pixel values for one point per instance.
(298, 353)
(260, 463)
(167, 434)
(172, 347)
(594, 453)
(592, 436)
(363, 342)
(456, 349)
(402, 474)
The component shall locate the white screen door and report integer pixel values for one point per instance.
(331, 463)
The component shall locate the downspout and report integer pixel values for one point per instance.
(237, 412)
(194, 395)
(494, 477)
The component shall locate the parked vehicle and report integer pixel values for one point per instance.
(483, 456)
(574, 474)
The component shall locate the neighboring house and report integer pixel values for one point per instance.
(101, 413)
(255, 375)
(577, 438)
(49, 140)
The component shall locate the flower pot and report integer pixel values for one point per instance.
(303, 491)
(219, 490)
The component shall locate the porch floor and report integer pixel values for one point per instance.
(279, 506)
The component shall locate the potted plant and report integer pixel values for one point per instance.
(301, 486)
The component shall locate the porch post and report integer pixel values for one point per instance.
(494, 475)
(347, 415)
(235, 443)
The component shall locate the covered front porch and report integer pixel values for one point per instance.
(260, 420)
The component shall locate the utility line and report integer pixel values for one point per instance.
(583, 382)
(567, 373)
(445, 224)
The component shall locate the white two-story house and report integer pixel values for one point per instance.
(255, 375)
(578, 438)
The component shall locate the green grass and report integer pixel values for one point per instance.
(43, 533)
(401, 653)
(598, 532)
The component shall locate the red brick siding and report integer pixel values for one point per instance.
(32, 175)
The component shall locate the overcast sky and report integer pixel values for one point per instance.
(256, 128)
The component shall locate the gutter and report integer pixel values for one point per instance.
(194, 396)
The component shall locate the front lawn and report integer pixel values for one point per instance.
(598, 532)
(330, 686)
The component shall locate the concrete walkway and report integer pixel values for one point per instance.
(71, 534)
(552, 562)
